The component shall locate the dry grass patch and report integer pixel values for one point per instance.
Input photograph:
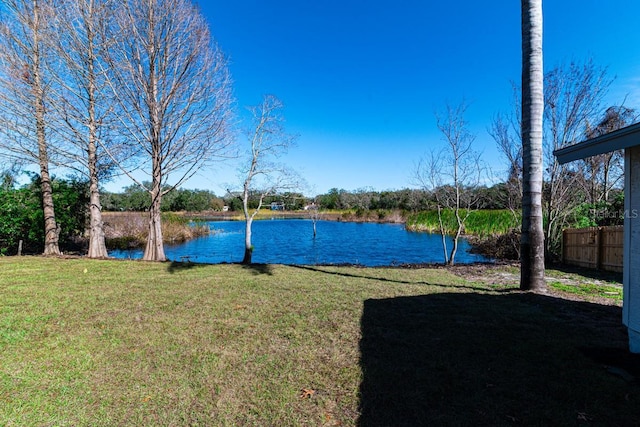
(124, 230)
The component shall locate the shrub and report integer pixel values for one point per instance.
(22, 218)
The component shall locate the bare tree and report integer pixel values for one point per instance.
(603, 172)
(83, 104)
(24, 93)
(452, 175)
(573, 99)
(506, 132)
(315, 214)
(532, 243)
(572, 102)
(173, 87)
(262, 174)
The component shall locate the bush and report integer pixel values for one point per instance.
(22, 218)
(502, 246)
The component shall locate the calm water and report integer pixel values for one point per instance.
(291, 241)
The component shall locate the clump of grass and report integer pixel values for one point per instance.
(479, 223)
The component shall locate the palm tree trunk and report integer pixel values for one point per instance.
(532, 243)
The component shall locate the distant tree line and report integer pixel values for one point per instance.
(407, 200)
(21, 213)
(133, 198)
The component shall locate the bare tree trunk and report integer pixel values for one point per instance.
(154, 250)
(97, 246)
(51, 230)
(456, 238)
(443, 235)
(532, 243)
(248, 247)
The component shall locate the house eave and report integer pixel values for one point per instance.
(622, 138)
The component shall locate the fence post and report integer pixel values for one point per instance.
(20, 248)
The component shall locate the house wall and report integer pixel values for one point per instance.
(631, 269)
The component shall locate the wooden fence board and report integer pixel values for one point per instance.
(595, 247)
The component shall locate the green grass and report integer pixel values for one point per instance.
(601, 286)
(479, 223)
(102, 343)
(589, 290)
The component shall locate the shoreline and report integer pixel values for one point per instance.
(393, 217)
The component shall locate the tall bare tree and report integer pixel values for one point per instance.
(83, 103)
(452, 175)
(172, 83)
(506, 132)
(532, 243)
(262, 174)
(24, 92)
(573, 100)
(604, 171)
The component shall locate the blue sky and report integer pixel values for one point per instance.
(361, 80)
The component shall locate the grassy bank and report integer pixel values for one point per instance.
(480, 223)
(106, 343)
(352, 215)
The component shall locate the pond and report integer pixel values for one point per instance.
(291, 241)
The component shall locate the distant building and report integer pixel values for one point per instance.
(277, 206)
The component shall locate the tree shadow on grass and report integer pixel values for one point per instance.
(500, 359)
(368, 274)
(177, 266)
(258, 269)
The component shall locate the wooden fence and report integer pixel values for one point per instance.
(596, 247)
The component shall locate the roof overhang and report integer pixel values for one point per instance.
(619, 139)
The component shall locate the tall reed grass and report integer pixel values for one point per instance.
(480, 223)
(130, 229)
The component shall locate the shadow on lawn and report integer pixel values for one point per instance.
(367, 274)
(607, 276)
(256, 269)
(501, 359)
(176, 266)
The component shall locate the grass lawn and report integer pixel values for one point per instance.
(103, 343)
